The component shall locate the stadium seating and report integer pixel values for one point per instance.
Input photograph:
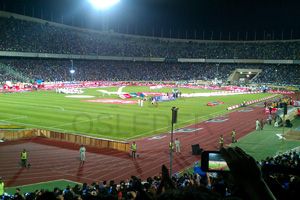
(58, 70)
(27, 36)
(24, 36)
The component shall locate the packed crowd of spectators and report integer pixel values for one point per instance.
(281, 172)
(59, 70)
(26, 36)
(290, 159)
(135, 188)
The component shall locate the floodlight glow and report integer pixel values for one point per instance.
(72, 71)
(103, 4)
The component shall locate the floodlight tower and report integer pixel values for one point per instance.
(103, 6)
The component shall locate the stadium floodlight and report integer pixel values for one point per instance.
(103, 4)
(72, 71)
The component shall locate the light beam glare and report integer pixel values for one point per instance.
(103, 4)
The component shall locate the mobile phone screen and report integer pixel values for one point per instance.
(216, 162)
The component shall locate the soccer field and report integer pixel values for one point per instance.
(53, 111)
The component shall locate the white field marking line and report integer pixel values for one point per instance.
(20, 117)
(105, 117)
(107, 137)
(69, 131)
(35, 105)
(3, 113)
(12, 115)
(222, 112)
(62, 109)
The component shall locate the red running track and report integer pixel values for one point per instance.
(53, 160)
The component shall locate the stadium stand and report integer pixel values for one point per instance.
(281, 173)
(27, 36)
(58, 70)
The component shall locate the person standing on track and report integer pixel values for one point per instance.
(257, 125)
(133, 149)
(261, 123)
(82, 151)
(221, 141)
(233, 134)
(177, 145)
(24, 157)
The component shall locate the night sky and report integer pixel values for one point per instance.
(201, 19)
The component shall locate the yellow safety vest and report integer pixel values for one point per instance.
(171, 146)
(233, 134)
(133, 147)
(221, 140)
(24, 155)
(1, 188)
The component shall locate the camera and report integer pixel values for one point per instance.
(212, 161)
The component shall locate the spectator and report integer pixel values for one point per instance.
(1, 187)
(257, 124)
(177, 145)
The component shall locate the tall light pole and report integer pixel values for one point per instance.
(72, 71)
(171, 145)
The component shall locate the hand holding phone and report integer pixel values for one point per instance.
(246, 173)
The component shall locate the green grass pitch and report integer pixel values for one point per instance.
(49, 185)
(215, 165)
(261, 144)
(53, 111)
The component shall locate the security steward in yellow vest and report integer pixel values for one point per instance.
(133, 150)
(171, 147)
(233, 133)
(1, 187)
(24, 157)
(221, 141)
